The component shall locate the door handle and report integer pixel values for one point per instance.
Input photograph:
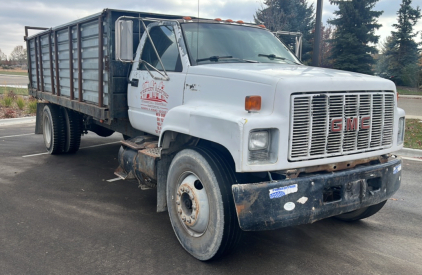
(134, 82)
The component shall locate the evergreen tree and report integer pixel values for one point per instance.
(355, 24)
(326, 46)
(290, 15)
(402, 51)
(385, 65)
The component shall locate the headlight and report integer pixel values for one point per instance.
(400, 135)
(258, 140)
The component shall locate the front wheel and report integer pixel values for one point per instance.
(200, 203)
(361, 213)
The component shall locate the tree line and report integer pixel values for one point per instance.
(16, 57)
(349, 41)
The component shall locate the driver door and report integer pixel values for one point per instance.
(153, 98)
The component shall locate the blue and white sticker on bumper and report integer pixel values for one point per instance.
(397, 169)
(282, 191)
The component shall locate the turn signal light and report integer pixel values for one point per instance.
(253, 103)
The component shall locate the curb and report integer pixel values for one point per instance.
(410, 96)
(413, 117)
(410, 154)
(14, 121)
(15, 86)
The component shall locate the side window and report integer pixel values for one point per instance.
(165, 42)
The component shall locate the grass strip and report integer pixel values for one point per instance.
(413, 134)
(408, 91)
(17, 91)
(13, 73)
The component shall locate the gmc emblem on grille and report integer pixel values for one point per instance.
(351, 124)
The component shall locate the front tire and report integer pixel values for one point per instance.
(361, 213)
(53, 129)
(200, 203)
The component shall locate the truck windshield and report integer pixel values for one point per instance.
(210, 43)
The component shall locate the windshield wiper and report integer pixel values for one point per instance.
(273, 56)
(216, 58)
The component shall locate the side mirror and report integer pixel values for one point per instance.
(124, 40)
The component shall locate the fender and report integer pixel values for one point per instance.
(212, 123)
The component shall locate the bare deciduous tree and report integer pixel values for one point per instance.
(3, 57)
(19, 55)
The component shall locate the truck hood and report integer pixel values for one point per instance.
(269, 72)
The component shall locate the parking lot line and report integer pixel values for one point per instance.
(18, 135)
(115, 179)
(97, 145)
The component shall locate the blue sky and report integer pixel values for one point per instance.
(14, 15)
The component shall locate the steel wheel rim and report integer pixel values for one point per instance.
(47, 131)
(192, 204)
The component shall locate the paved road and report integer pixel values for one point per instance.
(412, 106)
(59, 215)
(13, 80)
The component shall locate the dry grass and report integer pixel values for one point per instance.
(12, 106)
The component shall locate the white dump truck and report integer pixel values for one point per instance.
(232, 130)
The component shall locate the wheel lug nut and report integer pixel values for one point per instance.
(193, 217)
(180, 211)
(184, 218)
(178, 202)
(188, 220)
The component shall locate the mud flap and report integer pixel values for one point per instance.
(38, 118)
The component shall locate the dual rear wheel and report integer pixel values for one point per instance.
(61, 129)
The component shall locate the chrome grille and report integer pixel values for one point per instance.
(311, 136)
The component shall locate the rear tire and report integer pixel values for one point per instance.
(73, 131)
(361, 213)
(200, 203)
(53, 129)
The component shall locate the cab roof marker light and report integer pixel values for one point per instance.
(229, 21)
(240, 22)
(187, 18)
(262, 26)
(218, 19)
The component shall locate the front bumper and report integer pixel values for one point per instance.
(276, 204)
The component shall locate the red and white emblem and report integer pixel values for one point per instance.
(350, 124)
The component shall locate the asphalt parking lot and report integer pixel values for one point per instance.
(60, 215)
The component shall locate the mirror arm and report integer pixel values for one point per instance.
(165, 75)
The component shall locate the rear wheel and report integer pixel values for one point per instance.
(73, 131)
(200, 203)
(53, 129)
(361, 213)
